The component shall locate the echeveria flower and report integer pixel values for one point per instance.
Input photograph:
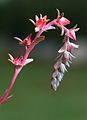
(40, 22)
(26, 42)
(18, 61)
(61, 20)
(71, 32)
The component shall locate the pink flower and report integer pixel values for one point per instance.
(41, 23)
(17, 62)
(68, 46)
(71, 32)
(61, 20)
(26, 42)
(71, 46)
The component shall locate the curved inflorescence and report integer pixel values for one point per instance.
(63, 60)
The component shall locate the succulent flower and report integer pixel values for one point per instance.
(41, 23)
(18, 61)
(65, 53)
(61, 20)
(71, 32)
(26, 42)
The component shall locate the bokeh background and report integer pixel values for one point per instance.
(33, 98)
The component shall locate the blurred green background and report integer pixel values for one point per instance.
(33, 98)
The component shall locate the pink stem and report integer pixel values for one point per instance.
(4, 97)
(6, 93)
(31, 46)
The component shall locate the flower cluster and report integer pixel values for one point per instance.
(63, 60)
(66, 51)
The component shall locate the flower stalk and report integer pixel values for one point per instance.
(63, 60)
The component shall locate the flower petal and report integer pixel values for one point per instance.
(36, 17)
(32, 21)
(18, 39)
(54, 84)
(62, 68)
(55, 73)
(62, 49)
(37, 29)
(58, 12)
(64, 21)
(28, 61)
(60, 76)
(74, 45)
(10, 56)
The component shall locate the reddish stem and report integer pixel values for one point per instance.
(4, 97)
